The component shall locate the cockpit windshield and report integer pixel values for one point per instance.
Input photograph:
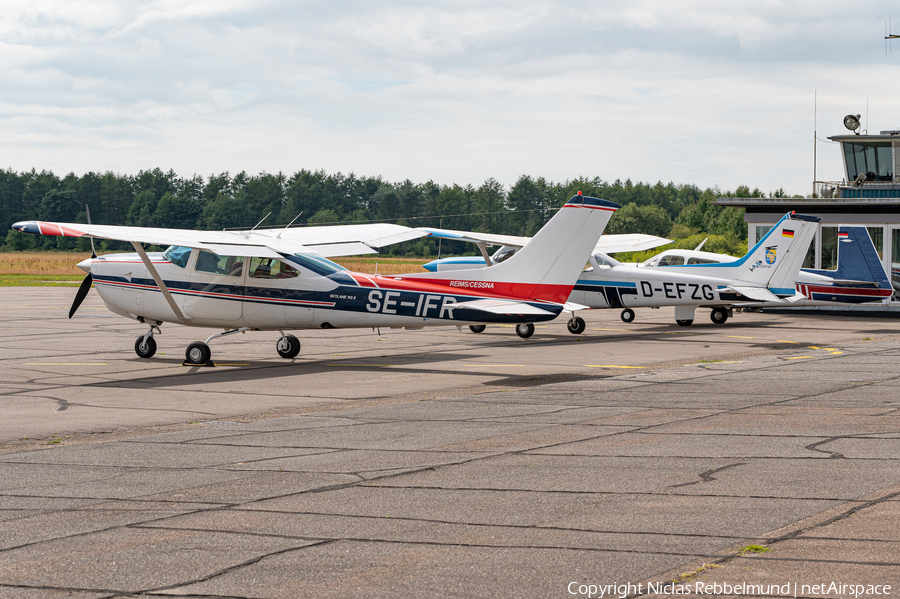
(503, 253)
(177, 255)
(604, 261)
(317, 264)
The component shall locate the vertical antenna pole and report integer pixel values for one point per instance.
(815, 133)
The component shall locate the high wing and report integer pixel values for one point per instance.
(629, 242)
(608, 244)
(339, 240)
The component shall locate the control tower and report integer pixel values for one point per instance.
(868, 194)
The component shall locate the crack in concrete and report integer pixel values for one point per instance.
(707, 476)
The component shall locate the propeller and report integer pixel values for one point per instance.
(82, 293)
(88, 280)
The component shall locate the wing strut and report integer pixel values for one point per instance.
(159, 282)
(483, 247)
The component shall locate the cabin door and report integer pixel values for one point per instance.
(215, 289)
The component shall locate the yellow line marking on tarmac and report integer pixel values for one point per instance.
(224, 364)
(64, 364)
(495, 365)
(608, 366)
(783, 341)
(830, 348)
(834, 353)
(360, 364)
(739, 337)
(798, 358)
(814, 347)
(685, 333)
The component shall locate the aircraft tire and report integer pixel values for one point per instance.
(197, 353)
(145, 350)
(718, 315)
(288, 347)
(525, 330)
(685, 323)
(627, 315)
(477, 328)
(576, 325)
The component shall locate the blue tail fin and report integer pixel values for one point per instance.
(858, 260)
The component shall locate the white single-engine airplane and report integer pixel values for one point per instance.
(510, 244)
(263, 280)
(765, 274)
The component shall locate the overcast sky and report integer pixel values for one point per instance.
(692, 91)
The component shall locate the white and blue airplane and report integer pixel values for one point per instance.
(767, 274)
(283, 280)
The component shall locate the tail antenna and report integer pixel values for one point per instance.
(889, 35)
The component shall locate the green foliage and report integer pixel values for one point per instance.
(157, 198)
(325, 216)
(633, 218)
(19, 242)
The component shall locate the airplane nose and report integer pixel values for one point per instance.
(85, 265)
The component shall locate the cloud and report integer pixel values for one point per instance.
(695, 92)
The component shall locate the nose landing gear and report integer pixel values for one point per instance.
(145, 345)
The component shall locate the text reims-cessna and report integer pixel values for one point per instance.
(268, 281)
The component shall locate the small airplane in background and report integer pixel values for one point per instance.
(765, 274)
(268, 281)
(859, 278)
(510, 244)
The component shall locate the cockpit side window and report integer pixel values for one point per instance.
(178, 255)
(695, 260)
(671, 261)
(270, 268)
(231, 266)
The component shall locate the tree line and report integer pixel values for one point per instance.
(154, 198)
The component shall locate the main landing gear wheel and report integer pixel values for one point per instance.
(288, 347)
(477, 328)
(718, 315)
(197, 353)
(576, 325)
(525, 330)
(627, 315)
(684, 323)
(145, 349)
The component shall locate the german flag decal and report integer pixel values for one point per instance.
(787, 233)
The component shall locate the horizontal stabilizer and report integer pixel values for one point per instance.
(795, 298)
(573, 307)
(501, 306)
(760, 294)
(855, 283)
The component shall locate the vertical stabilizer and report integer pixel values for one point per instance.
(548, 266)
(858, 259)
(776, 260)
